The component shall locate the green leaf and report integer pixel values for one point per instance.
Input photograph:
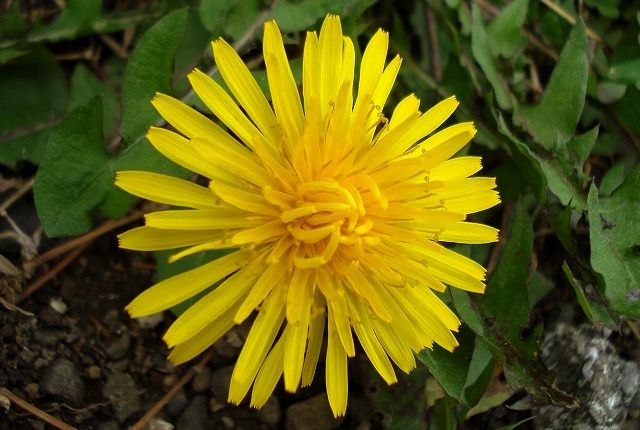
(464, 373)
(614, 235)
(595, 311)
(149, 71)
(480, 46)
(232, 17)
(9, 54)
(67, 186)
(526, 160)
(213, 14)
(580, 147)
(610, 92)
(84, 87)
(504, 33)
(553, 121)
(627, 71)
(77, 15)
(12, 23)
(503, 314)
(401, 406)
(33, 96)
(613, 178)
(294, 15)
(562, 182)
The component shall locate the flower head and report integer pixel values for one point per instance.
(332, 213)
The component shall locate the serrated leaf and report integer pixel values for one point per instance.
(614, 234)
(33, 96)
(553, 121)
(149, 71)
(527, 161)
(463, 374)
(504, 32)
(596, 312)
(480, 47)
(503, 312)
(580, 147)
(67, 186)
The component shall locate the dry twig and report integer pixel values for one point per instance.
(33, 410)
(142, 422)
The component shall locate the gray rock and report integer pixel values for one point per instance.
(270, 413)
(119, 347)
(202, 380)
(159, 424)
(194, 416)
(62, 379)
(311, 414)
(109, 425)
(177, 403)
(122, 391)
(220, 383)
(586, 365)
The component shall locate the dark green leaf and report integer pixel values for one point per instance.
(503, 313)
(595, 311)
(526, 160)
(615, 241)
(77, 16)
(504, 33)
(464, 373)
(149, 71)
(68, 185)
(480, 46)
(402, 405)
(33, 96)
(613, 178)
(553, 121)
(294, 15)
(84, 87)
(12, 23)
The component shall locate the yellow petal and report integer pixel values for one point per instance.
(283, 88)
(179, 150)
(337, 382)
(268, 375)
(258, 343)
(316, 333)
(165, 189)
(203, 339)
(245, 89)
(370, 343)
(201, 219)
(223, 106)
(178, 288)
(152, 239)
(212, 306)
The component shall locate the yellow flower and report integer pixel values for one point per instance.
(332, 211)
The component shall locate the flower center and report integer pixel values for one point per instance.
(327, 220)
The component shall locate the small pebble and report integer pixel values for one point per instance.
(94, 372)
(119, 347)
(228, 422)
(150, 321)
(159, 424)
(62, 379)
(58, 305)
(32, 389)
(202, 381)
